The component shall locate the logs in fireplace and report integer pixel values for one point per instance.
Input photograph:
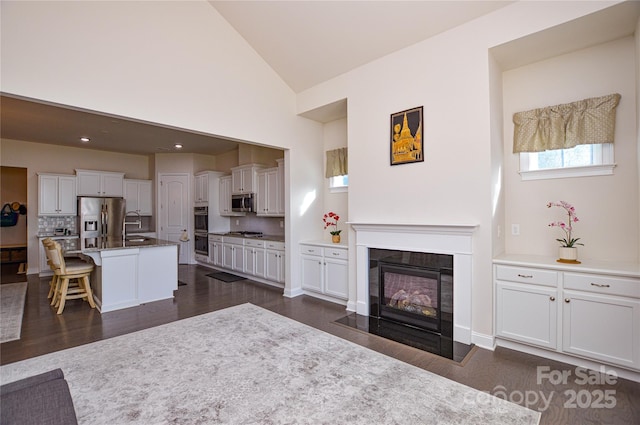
(411, 298)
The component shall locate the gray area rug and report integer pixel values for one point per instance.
(12, 296)
(247, 365)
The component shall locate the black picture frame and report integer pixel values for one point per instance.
(405, 144)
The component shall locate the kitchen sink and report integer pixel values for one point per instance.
(136, 239)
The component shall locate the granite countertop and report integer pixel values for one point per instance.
(57, 235)
(105, 244)
(273, 238)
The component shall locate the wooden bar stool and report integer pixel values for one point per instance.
(64, 274)
(54, 279)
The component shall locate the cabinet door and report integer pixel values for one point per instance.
(527, 313)
(272, 200)
(237, 183)
(281, 189)
(201, 183)
(262, 194)
(272, 266)
(112, 184)
(312, 269)
(238, 258)
(249, 260)
(601, 327)
(47, 195)
(89, 184)
(227, 256)
(225, 196)
(67, 198)
(248, 180)
(336, 281)
(260, 262)
(130, 193)
(145, 203)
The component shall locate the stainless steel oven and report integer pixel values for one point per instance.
(201, 219)
(201, 242)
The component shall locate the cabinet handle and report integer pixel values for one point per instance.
(567, 300)
(336, 254)
(552, 298)
(527, 276)
(600, 285)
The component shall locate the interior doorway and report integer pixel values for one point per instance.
(13, 232)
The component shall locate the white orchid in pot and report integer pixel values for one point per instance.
(568, 244)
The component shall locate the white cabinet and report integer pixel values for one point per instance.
(233, 254)
(275, 261)
(100, 183)
(254, 257)
(590, 315)
(215, 250)
(269, 193)
(138, 196)
(201, 189)
(325, 270)
(225, 198)
(608, 307)
(57, 194)
(244, 179)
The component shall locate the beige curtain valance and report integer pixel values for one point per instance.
(337, 162)
(564, 126)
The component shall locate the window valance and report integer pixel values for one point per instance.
(588, 121)
(337, 163)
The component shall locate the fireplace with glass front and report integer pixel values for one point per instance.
(411, 298)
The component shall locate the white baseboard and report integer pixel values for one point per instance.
(483, 341)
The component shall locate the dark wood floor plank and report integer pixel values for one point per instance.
(510, 371)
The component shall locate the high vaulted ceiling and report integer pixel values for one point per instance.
(306, 43)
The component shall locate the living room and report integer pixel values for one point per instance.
(469, 92)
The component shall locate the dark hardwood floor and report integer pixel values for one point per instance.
(504, 373)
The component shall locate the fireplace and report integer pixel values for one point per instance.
(455, 242)
(409, 289)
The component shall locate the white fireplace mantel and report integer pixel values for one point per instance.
(456, 240)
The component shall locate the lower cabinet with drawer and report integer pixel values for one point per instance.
(590, 315)
(325, 270)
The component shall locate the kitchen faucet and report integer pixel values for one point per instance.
(125, 222)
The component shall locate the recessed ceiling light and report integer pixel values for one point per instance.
(178, 146)
(85, 139)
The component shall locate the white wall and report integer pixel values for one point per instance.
(606, 205)
(41, 158)
(459, 182)
(174, 63)
(335, 136)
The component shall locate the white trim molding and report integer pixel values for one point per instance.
(456, 240)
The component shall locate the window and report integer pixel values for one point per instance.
(338, 183)
(579, 161)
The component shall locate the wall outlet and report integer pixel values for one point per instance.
(237, 221)
(515, 229)
(281, 224)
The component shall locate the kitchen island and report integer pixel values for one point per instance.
(132, 271)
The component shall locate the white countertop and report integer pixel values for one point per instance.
(630, 269)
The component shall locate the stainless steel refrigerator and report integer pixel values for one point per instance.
(100, 220)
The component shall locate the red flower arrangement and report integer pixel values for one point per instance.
(331, 219)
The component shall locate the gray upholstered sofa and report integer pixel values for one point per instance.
(41, 399)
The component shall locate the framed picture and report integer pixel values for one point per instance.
(406, 136)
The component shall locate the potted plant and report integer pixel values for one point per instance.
(568, 244)
(331, 219)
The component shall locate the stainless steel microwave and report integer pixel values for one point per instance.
(243, 203)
